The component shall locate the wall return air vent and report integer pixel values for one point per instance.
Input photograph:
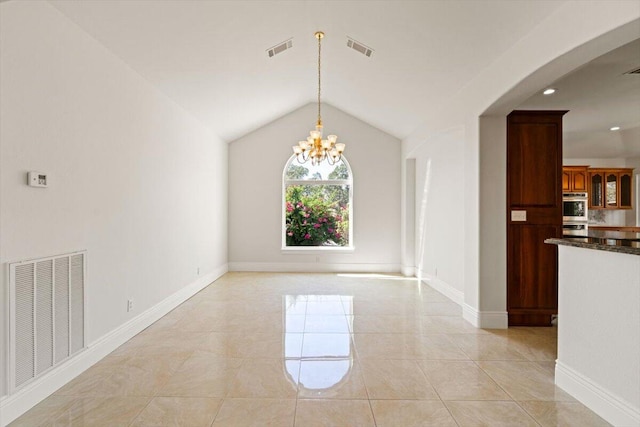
(280, 47)
(47, 303)
(357, 46)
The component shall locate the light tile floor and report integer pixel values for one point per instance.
(260, 349)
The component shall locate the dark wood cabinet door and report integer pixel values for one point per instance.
(596, 190)
(625, 187)
(534, 213)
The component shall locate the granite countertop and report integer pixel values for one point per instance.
(612, 241)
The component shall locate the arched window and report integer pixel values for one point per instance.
(317, 205)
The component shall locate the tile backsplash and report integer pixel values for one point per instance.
(597, 216)
(607, 217)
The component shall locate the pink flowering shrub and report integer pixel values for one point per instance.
(315, 218)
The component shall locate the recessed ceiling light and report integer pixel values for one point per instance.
(549, 91)
(615, 128)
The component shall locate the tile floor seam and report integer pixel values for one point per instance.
(528, 413)
(440, 399)
(140, 412)
(494, 380)
(217, 412)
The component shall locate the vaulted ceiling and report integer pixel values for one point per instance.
(211, 58)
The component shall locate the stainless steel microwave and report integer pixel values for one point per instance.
(575, 207)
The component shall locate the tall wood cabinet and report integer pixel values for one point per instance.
(534, 213)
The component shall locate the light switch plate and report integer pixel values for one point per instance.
(518, 215)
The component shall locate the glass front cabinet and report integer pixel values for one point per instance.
(610, 188)
(596, 190)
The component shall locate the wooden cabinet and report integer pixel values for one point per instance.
(574, 178)
(534, 213)
(610, 188)
(625, 178)
(596, 190)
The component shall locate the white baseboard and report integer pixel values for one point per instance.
(408, 270)
(444, 288)
(485, 319)
(12, 406)
(312, 267)
(613, 409)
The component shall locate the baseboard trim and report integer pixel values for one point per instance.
(444, 288)
(12, 406)
(485, 319)
(312, 267)
(612, 408)
(407, 270)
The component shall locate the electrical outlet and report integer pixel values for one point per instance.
(436, 271)
(317, 259)
(198, 271)
(129, 305)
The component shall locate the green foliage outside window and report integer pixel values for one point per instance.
(317, 215)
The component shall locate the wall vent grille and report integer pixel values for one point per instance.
(47, 303)
(280, 47)
(357, 46)
(634, 71)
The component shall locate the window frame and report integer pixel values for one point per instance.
(283, 218)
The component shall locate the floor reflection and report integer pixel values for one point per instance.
(325, 324)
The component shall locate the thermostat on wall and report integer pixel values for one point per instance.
(38, 179)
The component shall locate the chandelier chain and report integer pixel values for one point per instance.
(319, 81)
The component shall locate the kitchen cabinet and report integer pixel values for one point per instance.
(625, 192)
(574, 178)
(610, 188)
(596, 190)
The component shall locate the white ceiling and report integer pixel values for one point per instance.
(210, 56)
(598, 96)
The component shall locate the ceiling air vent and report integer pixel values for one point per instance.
(634, 71)
(355, 45)
(280, 47)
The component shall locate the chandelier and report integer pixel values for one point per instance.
(315, 148)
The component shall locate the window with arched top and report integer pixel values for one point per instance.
(317, 205)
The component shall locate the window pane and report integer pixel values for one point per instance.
(317, 215)
(323, 171)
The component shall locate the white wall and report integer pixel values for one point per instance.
(134, 180)
(256, 162)
(439, 213)
(596, 163)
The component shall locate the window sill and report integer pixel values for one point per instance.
(314, 250)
